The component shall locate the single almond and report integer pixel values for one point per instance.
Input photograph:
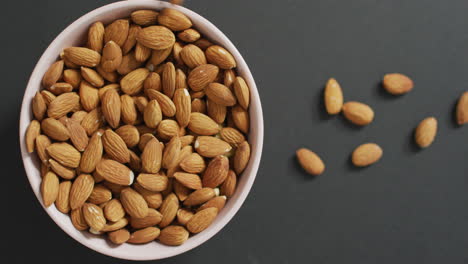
(201, 76)
(156, 37)
(169, 209)
(183, 106)
(152, 114)
(128, 64)
(89, 96)
(81, 190)
(174, 19)
(62, 171)
(189, 35)
(99, 195)
(131, 39)
(92, 77)
(158, 56)
(129, 135)
(242, 92)
(210, 147)
(200, 196)
(55, 129)
(144, 235)
(52, 74)
(397, 83)
(180, 190)
(181, 79)
(462, 109)
(144, 17)
(62, 203)
(232, 136)
(310, 161)
(73, 77)
(192, 56)
(48, 97)
(189, 180)
(152, 182)
(92, 154)
(115, 146)
(39, 106)
(183, 216)
(92, 121)
(32, 132)
(173, 235)
(193, 163)
(153, 218)
(96, 36)
(117, 31)
(142, 53)
(152, 82)
(171, 153)
(49, 188)
(426, 132)
(111, 56)
(241, 157)
(112, 226)
(119, 236)
(132, 83)
(113, 211)
(220, 94)
(42, 142)
(60, 88)
(65, 154)
(358, 113)
(62, 105)
(82, 56)
(229, 77)
(220, 57)
(167, 106)
(111, 108)
(366, 154)
(216, 172)
(202, 124)
(167, 129)
(94, 216)
(133, 203)
(128, 109)
(333, 97)
(78, 135)
(229, 185)
(241, 118)
(151, 158)
(202, 219)
(115, 172)
(154, 199)
(78, 220)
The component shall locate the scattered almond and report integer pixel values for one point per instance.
(366, 154)
(397, 83)
(426, 132)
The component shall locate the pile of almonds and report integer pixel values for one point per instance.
(142, 133)
(361, 114)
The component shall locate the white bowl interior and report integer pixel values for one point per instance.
(74, 35)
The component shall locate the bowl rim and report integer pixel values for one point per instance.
(25, 118)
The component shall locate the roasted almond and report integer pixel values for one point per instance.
(220, 57)
(133, 203)
(115, 172)
(210, 147)
(202, 219)
(310, 161)
(156, 37)
(366, 154)
(81, 190)
(426, 132)
(173, 235)
(113, 211)
(201, 76)
(174, 19)
(49, 188)
(397, 83)
(358, 113)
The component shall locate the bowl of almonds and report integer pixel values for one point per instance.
(141, 130)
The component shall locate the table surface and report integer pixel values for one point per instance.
(411, 207)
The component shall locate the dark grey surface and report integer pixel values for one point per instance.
(412, 207)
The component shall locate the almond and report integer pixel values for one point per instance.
(169, 209)
(111, 56)
(135, 161)
(132, 83)
(229, 185)
(202, 219)
(49, 188)
(174, 19)
(94, 216)
(152, 114)
(154, 199)
(242, 92)
(119, 236)
(310, 161)
(192, 56)
(153, 218)
(113, 211)
(229, 77)
(92, 154)
(156, 37)
(426, 132)
(167, 129)
(186, 140)
(141, 102)
(92, 77)
(108, 76)
(203, 124)
(133, 203)
(183, 106)
(60, 88)
(78, 220)
(216, 172)
(55, 129)
(89, 96)
(129, 135)
(62, 105)
(111, 108)
(48, 97)
(210, 147)
(142, 53)
(65, 154)
(201, 76)
(152, 82)
(241, 118)
(114, 187)
(191, 181)
(168, 79)
(397, 83)
(220, 57)
(60, 170)
(143, 236)
(173, 235)
(78, 116)
(220, 94)
(203, 43)
(78, 135)
(80, 190)
(53, 74)
(96, 36)
(171, 153)
(146, 137)
(189, 35)
(151, 157)
(462, 109)
(358, 113)
(113, 226)
(176, 49)
(180, 190)
(333, 97)
(144, 17)
(128, 109)
(117, 31)
(82, 56)
(42, 142)
(152, 182)
(128, 64)
(62, 203)
(39, 106)
(73, 77)
(242, 157)
(366, 154)
(193, 163)
(131, 39)
(232, 136)
(200, 196)
(183, 216)
(167, 106)
(99, 195)
(158, 56)
(92, 121)
(33, 131)
(115, 172)
(115, 146)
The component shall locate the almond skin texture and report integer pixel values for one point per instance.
(183, 106)
(358, 113)
(154, 199)
(34, 130)
(92, 154)
(229, 185)
(78, 135)
(153, 218)
(156, 37)
(82, 56)
(152, 182)
(129, 112)
(366, 154)
(183, 216)
(89, 96)
(426, 132)
(132, 83)
(242, 92)
(201, 220)
(81, 190)
(200, 196)
(193, 163)
(189, 35)
(333, 97)
(39, 106)
(219, 56)
(119, 236)
(174, 20)
(151, 158)
(64, 154)
(131, 39)
(216, 172)
(99, 195)
(232, 136)
(201, 76)
(173, 235)
(191, 181)
(53, 74)
(129, 135)
(210, 147)
(133, 203)
(62, 105)
(42, 142)
(216, 202)
(242, 157)
(73, 77)
(94, 216)
(169, 209)
(54, 129)
(462, 109)
(78, 220)
(310, 161)
(152, 114)
(220, 94)
(113, 211)
(192, 56)
(62, 171)
(96, 36)
(111, 57)
(167, 106)
(49, 188)
(397, 83)
(115, 172)
(203, 124)
(171, 153)
(241, 118)
(168, 79)
(143, 236)
(92, 77)
(144, 17)
(117, 31)
(115, 146)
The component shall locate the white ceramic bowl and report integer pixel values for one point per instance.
(75, 35)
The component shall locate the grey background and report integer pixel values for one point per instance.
(412, 207)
